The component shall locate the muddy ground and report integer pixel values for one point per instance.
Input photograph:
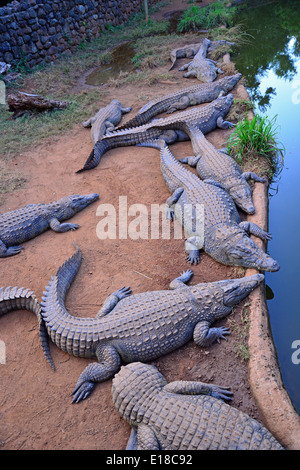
(35, 402)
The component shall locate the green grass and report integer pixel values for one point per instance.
(257, 137)
(213, 15)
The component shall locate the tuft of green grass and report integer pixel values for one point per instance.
(213, 15)
(259, 137)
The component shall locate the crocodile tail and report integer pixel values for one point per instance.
(155, 143)
(136, 121)
(94, 158)
(19, 298)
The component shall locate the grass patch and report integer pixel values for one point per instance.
(213, 15)
(241, 331)
(257, 138)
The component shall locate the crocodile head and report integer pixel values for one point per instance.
(70, 205)
(242, 196)
(230, 81)
(235, 290)
(231, 245)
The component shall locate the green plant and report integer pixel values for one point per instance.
(211, 16)
(257, 136)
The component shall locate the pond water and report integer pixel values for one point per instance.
(271, 67)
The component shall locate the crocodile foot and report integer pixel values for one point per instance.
(11, 251)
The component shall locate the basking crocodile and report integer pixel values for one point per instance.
(210, 218)
(200, 67)
(182, 99)
(190, 50)
(183, 415)
(206, 117)
(138, 327)
(106, 119)
(19, 298)
(30, 221)
(212, 164)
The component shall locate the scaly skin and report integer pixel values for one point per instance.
(204, 69)
(219, 232)
(206, 118)
(181, 99)
(106, 119)
(212, 164)
(21, 225)
(183, 415)
(19, 298)
(138, 327)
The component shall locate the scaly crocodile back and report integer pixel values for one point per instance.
(19, 298)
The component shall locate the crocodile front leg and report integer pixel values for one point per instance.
(125, 110)
(224, 124)
(180, 281)
(56, 226)
(198, 388)
(204, 335)
(172, 200)
(254, 229)
(249, 175)
(9, 251)
(112, 301)
(192, 248)
(109, 363)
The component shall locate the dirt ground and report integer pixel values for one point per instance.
(35, 402)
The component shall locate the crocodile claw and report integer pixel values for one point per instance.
(13, 250)
(222, 393)
(82, 390)
(221, 332)
(123, 292)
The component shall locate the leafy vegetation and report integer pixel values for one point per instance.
(213, 15)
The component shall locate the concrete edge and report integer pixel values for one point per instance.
(265, 380)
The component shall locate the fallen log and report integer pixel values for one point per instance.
(20, 102)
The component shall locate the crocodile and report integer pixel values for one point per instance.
(210, 218)
(191, 50)
(183, 415)
(138, 327)
(206, 117)
(22, 224)
(200, 67)
(106, 119)
(183, 98)
(213, 164)
(20, 298)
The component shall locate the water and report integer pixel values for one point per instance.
(271, 66)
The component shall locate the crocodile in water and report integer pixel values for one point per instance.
(20, 225)
(106, 119)
(206, 118)
(138, 327)
(182, 99)
(200, 67)
(183, 415)
(210, 218)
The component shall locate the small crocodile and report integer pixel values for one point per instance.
(19, 298)
(210, 218)
(182, 99)
(191, 50)
(213, 164)
(200, 67)
(138, 327)
(183, 415)
(206, 117)
(106, 119)
(20, 225)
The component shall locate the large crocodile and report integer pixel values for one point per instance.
(201, 67)
(138, 327)
(106, 119)
(182, 99)
(20, 225)
(19, 298)
(183, 415)
(212, 164)
(210, 218)
(206, 117)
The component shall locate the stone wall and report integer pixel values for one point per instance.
(35, 31)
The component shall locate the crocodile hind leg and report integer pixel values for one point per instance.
(254, 229)
(56, 226)
(191, 161)
(109, 363)
(172, 200)
(204, 335)
(183, 103)
(112, 301)
(9, 251)
(180, 281)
